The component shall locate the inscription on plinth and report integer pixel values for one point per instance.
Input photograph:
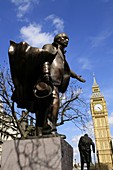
(37, 154)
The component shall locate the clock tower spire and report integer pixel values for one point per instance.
(101, 126)
(95, 88)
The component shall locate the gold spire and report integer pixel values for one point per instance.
(95, 88)
(94, 80)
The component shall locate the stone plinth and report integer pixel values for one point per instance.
(37, 154)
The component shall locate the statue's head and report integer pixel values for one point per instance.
(86, 135)
(61, 39)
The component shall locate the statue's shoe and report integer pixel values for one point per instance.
(54, 133)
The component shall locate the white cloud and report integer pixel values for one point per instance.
(23, 6)
(76, 138)
(33, 35)
(57, 22)
(105, 1)
(100, 39)
(85, 63)
(76, 154)
(111, 119)
(96, 41)
(75, 141)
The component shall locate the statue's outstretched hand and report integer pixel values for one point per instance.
(81, 79)
(78, 77)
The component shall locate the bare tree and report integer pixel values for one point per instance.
(72, 108)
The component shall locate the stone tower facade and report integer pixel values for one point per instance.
(101, 127)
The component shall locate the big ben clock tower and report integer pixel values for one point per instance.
(101, 127)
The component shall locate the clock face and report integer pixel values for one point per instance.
(98, 107)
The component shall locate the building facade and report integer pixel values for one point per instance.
(101, 127)
(6, 128)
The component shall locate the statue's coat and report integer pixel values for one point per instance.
(25, 66)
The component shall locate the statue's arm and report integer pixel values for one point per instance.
(93, 147)
(78, 77)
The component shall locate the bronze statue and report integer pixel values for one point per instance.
(39, 75)
(84, 145)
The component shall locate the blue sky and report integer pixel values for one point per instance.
(89, 25)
